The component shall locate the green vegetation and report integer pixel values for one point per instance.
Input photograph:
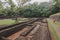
(44, 9)
(7, 21)
(57, 14)
(58, 24)
(13, 10)
(54, 35)
(10, 21)
(57, 6)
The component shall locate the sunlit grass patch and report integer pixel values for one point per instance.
(12, 21)
(7, 22)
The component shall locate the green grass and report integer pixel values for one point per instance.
(10, 21)
(54, 35)
(7, 22)
(56, 14)
(58, 24)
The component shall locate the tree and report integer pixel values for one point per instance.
(57, 4)
(14, 10)
(1, 8)
(22, 2)
(44, 9)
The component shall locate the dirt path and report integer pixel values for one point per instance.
(42, 33)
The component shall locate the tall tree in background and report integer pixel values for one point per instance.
(22, 2)
(1, 7)
(14, 10)
(57, 4)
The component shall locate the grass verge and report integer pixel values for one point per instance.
(58, 24)
(53, 32)
(10, 21)
(7, 21)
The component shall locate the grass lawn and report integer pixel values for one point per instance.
(7, 22)
(10, 21)
(54, 35)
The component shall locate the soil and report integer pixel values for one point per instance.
(41, 34)
(17, 34)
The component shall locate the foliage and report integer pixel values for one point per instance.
(44, 9)
(57, 4)
(1, 9)
(51, 26)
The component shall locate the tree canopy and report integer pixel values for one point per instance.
(44, 9)
(57, 4)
